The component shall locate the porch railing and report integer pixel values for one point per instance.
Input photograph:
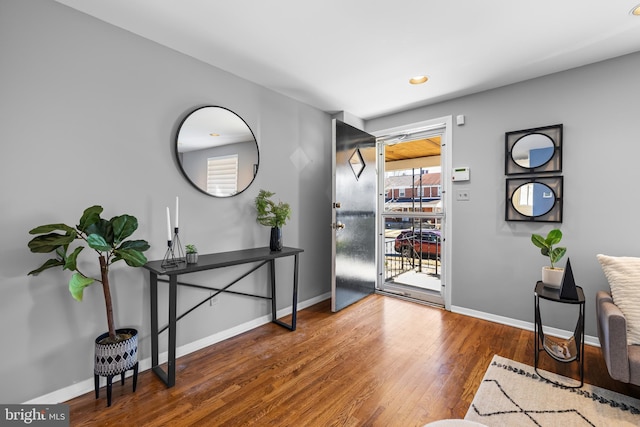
(397, 263)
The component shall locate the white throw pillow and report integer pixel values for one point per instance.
(623, 274)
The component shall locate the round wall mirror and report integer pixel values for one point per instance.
(533, 150)
(533, 199)
(217, 151)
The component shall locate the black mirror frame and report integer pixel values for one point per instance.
(554, 164)
(179, 162)
(555, 183)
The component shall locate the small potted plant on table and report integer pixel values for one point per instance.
(192, 254)
(551, 275)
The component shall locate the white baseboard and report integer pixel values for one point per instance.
(86, 386)
(529, 326)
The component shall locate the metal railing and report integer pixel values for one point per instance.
(425, 261)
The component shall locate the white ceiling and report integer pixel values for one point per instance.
(357, 55)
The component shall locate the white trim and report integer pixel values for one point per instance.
(445, 179)
(529, 326)
(86, 386)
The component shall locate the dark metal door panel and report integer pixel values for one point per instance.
(354, 221)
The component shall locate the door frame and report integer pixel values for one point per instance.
(446, 124)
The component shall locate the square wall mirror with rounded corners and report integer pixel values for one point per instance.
(534, 199)
(536, 150)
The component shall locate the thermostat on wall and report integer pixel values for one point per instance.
(460, 174)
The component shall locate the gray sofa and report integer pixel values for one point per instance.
(623, 361)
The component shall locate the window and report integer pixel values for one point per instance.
(222, 175)
(429, 237)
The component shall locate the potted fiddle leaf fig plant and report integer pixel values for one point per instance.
(551, 275)
(116, 350)
(274, 215)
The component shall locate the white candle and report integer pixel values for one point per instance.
(177, 211)
(168, 226)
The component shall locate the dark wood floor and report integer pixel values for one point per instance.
(380, 362)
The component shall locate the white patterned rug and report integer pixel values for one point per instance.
(512, 394)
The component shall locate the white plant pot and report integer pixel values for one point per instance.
(552, 277)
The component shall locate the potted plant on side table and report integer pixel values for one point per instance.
(274, 215)
(551, 275)
(116, 351)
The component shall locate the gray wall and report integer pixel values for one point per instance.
(494, 264)
(88, 115)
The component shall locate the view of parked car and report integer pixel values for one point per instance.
(419, 243)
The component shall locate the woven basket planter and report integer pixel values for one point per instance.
(113, 359)
(116, 358)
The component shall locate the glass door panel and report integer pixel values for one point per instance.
(413, 219)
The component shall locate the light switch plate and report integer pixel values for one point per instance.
(463, 195)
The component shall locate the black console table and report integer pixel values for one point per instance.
(561, 350)
(261, 256)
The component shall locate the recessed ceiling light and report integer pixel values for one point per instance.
(214, 134)
(636, 10)
(418, 80)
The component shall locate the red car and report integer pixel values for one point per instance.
(424, 243)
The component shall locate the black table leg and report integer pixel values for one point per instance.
(168, 377)
(272, 279)
(294, 306)
(153, 279)
(294, 313)
(173, 303)
(536, 336)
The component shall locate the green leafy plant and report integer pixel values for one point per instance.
(191, 249)
(546, 245)
(270, 213)
(106, 237)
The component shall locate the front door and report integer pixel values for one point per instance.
(353, 215)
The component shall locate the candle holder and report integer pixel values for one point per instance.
(169, 260)
(177, 247)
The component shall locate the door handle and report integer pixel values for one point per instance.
(337, 225)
